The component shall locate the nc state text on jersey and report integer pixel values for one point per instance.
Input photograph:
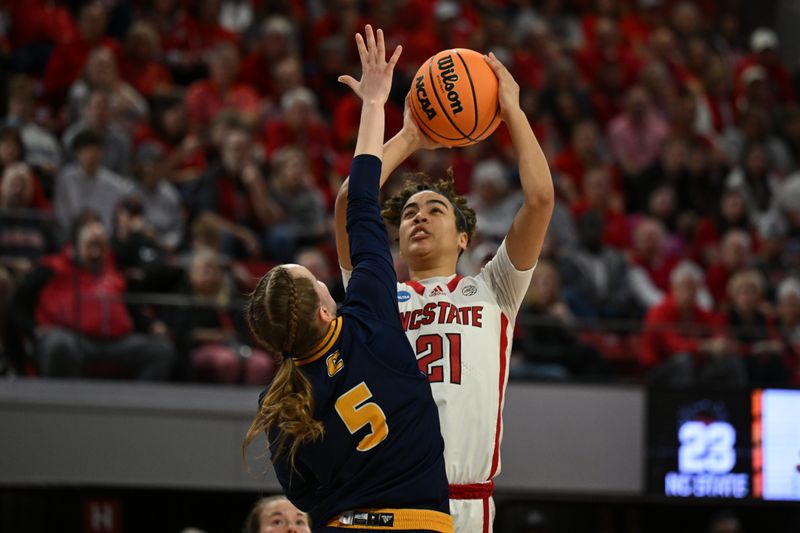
(442, 313)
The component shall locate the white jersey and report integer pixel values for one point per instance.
(461, 330)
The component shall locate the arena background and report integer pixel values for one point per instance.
(593, 441)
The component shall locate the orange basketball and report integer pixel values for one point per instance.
(454, 98)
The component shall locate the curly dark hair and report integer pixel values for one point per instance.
(418, 182)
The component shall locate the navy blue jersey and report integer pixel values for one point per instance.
(382, 445)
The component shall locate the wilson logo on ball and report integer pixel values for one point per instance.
(449, 78)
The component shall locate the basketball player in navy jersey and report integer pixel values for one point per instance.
(352, 426)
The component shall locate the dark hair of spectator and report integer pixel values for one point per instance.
(87, 138)
(418, 182)
(84, 218)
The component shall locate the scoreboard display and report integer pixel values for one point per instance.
(699, 444)
(731, 445)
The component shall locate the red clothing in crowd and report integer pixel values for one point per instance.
(39, 21)
(67, 61)
(717, 278)
(567, 163)
(76, 299)
(346, 118)
(204, 101)
(658, 273)
(314, 139)
(615, 225)
(195, 38)
(779, 77)
(667, 331)
(256, 71)
(190, 166)
(707, 236)
(148, 78)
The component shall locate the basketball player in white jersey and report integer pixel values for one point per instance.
(461, 327)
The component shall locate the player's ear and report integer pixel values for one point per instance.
(463, 241)
(324, 315)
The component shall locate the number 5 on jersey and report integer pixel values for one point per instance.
(356, 414)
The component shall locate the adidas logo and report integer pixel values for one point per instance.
(437, 291)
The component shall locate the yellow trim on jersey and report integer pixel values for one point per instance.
(324, 345)
(404, 519)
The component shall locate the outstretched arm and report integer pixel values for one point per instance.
(373, 284)
(396, 150)
(526, 235)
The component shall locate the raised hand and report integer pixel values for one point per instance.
(509, 88)
(376, 72)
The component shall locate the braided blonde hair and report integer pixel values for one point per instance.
(281, 314)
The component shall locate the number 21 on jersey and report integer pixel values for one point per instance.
(356, 414)
(430, 350)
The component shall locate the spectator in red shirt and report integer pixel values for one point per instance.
(583, 152)
(189, 35)
(205, 99)
(670, 170)
(598, 196)
(665, 49)
(331, 61)
(651, 264)
(68, 58)
(565, 98)
(731, 214)
(301, 126)
(764, 46)
(232, 195)
(608, 50)
(734, 255)
(788, 322)
(754, 329)
(74, 304)
(169, 128)
(276, 41)
(684, 344)
(140, 64)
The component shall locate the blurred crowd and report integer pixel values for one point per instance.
(158, 155)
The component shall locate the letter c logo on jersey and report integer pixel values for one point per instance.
(335, 363)
(403, 296)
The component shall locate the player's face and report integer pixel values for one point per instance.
(283, 517)
(324, 294)
(428, 229)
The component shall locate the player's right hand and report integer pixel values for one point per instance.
(376, 72)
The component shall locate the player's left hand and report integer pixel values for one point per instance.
(376, 72)
(508, 89)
